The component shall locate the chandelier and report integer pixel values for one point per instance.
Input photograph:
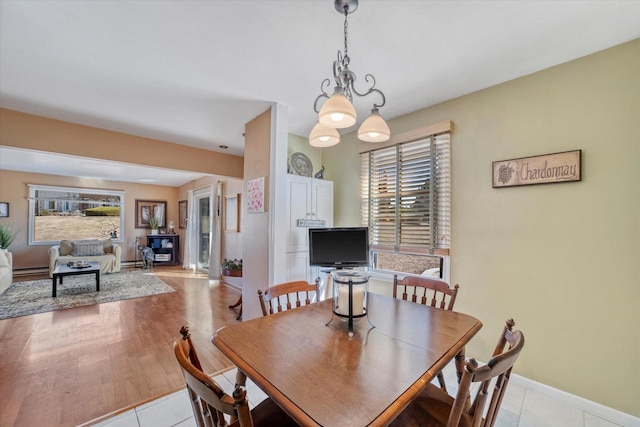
(338, 112)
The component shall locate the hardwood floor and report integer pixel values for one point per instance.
(68, 367)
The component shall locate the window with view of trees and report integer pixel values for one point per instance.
(406, 202)
(58, 213)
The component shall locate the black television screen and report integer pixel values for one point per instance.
(339, 247)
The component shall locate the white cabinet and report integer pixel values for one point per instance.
(308, 199)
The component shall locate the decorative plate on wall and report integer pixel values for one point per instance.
(301, 164)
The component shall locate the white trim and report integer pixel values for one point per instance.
(581, 403)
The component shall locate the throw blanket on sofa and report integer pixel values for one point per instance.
(104, 251)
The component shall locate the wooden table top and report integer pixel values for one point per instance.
(320, 376)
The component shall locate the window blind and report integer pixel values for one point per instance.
(405, 195)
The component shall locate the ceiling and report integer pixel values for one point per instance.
(194, 72)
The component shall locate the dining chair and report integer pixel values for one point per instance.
(434, 407)
(293, 294)
(426, 291)
(210, 403)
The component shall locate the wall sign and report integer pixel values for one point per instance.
(544, 169)
(311, 223)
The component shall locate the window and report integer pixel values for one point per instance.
(58, 213)
(406, 198)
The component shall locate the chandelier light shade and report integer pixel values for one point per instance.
(323, 136)
(374, 129)
(338, 111)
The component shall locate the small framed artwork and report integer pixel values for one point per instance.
(232, 213)
(145, 209)
(255, 194)
(4, 209)
(182, 214)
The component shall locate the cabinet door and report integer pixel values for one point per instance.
(298, 266)
(299, 208)
(322, 201)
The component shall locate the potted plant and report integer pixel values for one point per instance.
(6, 236)
(232, 267)
(153, 223)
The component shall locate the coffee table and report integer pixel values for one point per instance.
(63, 270)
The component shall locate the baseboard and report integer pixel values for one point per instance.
(30, 272)
(230, 282)
(594, 408)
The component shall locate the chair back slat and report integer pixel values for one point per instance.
(496, 400)
(294, 294)
(435, 293)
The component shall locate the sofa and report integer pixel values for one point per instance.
(6, 270)
(105, 251)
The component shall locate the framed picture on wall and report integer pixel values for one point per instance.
(182, 214)
(4, 209)
(145, 209)
(232, 213)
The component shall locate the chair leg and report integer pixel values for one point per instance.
(241, 378)
(443, 385)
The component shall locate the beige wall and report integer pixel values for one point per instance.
(564, 259)
(14, 189)
(39, 133)
(256, 225)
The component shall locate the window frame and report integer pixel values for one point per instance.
(33, 188)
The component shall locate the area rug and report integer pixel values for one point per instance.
(32, 297)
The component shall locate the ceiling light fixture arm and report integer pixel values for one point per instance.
(369, 78)
(324, 94)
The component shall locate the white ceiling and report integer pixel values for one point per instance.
(194, 72)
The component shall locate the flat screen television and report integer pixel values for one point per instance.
(340, 247)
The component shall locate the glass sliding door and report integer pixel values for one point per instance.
(203, 229)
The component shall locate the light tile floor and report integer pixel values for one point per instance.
(520, 408)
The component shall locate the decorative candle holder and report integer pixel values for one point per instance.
(350, 289)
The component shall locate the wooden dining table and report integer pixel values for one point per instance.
(322, 377)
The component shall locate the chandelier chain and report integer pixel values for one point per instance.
(346, 25)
